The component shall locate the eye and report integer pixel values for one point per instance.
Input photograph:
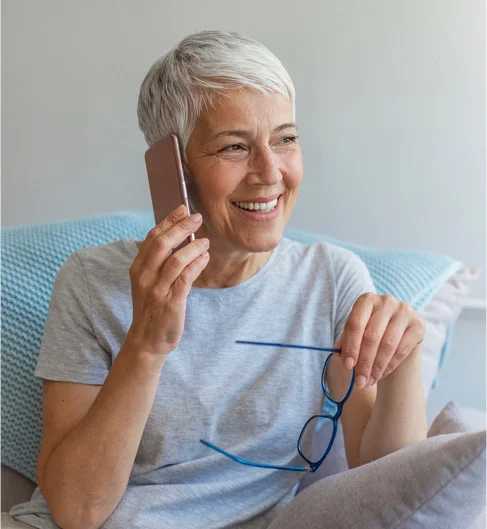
(232, 148)
(288, 139)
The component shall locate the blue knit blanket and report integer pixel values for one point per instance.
(31, 257)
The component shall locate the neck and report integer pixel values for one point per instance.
(229, 269)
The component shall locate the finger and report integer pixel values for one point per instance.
(390, 341)
(184, 282)
(164, 243)
(354, 328)
(175, 216)
(373, 333)
(338, 345)
(179, 260)
(411, 339)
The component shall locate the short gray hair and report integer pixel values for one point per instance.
(187, 77)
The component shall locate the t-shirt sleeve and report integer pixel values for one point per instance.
(352, 279)
(70, 350)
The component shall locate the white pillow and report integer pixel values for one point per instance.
(440, 312)
(435, 483)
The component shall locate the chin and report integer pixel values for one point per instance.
(264, 242)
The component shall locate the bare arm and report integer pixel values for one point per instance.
(383, 418)
(85, 463)
(382, 337)
(399, 415)
(86, 475)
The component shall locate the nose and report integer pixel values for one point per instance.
(264, 168)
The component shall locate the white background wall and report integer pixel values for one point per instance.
(390, 106)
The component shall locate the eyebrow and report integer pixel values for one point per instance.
(243, 133)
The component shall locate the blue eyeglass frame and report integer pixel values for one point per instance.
(312, 465)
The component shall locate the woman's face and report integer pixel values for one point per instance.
(244, 152)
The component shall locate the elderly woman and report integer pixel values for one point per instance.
(139, 356)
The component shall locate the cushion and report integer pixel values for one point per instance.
(439, 314)
(31, 257)
(453, 419)
(437, 482)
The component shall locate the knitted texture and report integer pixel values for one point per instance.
(31, 257)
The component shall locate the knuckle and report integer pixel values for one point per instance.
(378, 370)
(371, 337)
(157, 292)
(144, 282)
(367, 296)
(389, 343)
(353, 325)
(402, 353)
(183, 226)
(185, 278)
(161, 243)
(364, 366)
(352, 351)
(403, 307)
(153, 233)
(389, 300)
(420, 323)
(175, 261)
(173, 217)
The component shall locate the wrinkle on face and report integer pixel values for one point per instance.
(258, 161)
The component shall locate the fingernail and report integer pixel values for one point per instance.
(361, 380)
(195, 217)
(180, 209)
(204, 242)
(349, 362)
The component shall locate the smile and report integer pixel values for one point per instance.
(260, 211)
(258, 207)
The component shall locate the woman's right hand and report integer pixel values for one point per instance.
(161, 281)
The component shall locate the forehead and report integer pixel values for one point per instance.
(246, 109)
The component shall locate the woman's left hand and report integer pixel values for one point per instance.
(379, 334)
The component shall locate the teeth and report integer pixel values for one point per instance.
(264, 207)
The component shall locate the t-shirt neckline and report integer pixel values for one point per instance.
(132, 246)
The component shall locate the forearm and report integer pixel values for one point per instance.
(87, 474)
(399, 415)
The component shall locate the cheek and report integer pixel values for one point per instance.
(217, 184)
(293, 172)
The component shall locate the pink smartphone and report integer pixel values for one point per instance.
(166, 179)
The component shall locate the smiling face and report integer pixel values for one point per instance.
(244, 152)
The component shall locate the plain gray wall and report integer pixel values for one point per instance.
(390, 107)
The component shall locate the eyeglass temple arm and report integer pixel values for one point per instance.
(251, 463)
(329, 349)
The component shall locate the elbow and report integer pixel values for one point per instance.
(75, 520)
(378, 451)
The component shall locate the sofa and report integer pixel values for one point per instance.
(435, 285)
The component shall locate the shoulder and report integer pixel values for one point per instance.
(102, 263)
(324, 252)
(114, 254)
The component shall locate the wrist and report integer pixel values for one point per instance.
(409, 369)
(142, 357)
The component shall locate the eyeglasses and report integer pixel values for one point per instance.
(310, 425)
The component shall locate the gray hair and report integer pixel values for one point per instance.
(187, 77)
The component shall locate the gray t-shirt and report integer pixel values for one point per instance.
(251, 401)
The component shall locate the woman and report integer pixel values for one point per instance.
(139, 355)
